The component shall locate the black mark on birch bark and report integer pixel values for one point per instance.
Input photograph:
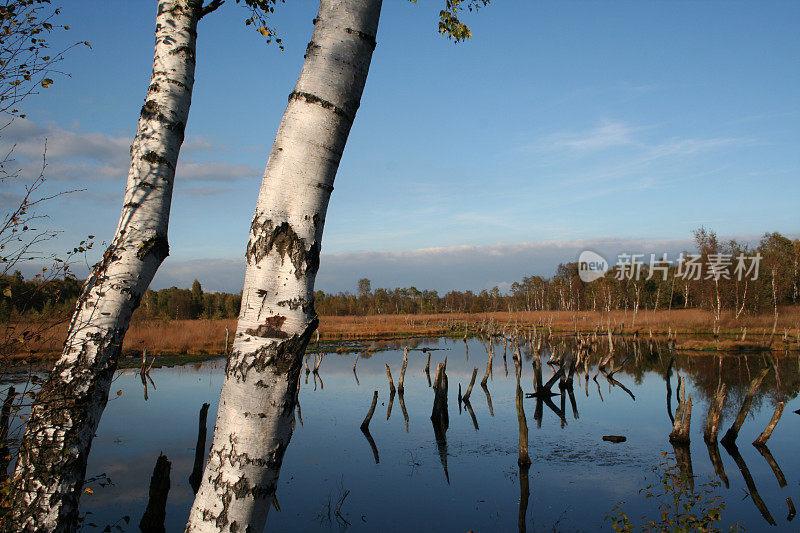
(285, 241)
(270, 329)
(313, 99)
(157, 246)
(369, 39)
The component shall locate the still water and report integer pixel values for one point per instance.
(472, 481)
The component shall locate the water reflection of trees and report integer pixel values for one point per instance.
(634, 362)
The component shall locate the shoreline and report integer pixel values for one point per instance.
(693, 327)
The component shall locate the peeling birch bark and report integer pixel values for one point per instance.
(52, 459)
(277, 317)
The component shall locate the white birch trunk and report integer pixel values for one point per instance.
(277, 317)
(52, 458)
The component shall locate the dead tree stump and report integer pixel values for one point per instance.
(156, 511)
(683, 417)
(767, 433)
(715, 415)
(733, 432)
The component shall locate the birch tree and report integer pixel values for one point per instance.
(53, 453)
(277, 317)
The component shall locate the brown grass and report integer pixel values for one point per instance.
(208, 336)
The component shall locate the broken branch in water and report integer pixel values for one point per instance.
(767, 433)
(368, 418)
(391, 383)
(465, 398)
(733, 432)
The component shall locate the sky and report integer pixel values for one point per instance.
(561, 126)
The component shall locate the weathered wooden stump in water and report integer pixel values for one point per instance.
(523, 459)
(715, 415)
(439, 416)
(400, 387)
(368, 418)
(680, 433)
(465, 398)
(391, 403)
(156, 511)
(391, 383)
(488, 370)
(733, 432)
(767, 433)
(365, 427)
(199, 450)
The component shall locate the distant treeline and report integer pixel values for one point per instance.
(718, 276)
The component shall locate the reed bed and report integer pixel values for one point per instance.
(694, 327)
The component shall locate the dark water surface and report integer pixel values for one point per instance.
(574, 480)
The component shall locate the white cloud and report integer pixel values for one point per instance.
(442, 268)
(83, 158)
(607, 135)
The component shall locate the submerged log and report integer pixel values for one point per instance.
(614, 438)
(733, 432)
(156, 512)
(715, 415)
(767, 433)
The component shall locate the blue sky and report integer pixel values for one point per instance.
(573, 122)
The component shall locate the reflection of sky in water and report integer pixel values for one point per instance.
(575, 478)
